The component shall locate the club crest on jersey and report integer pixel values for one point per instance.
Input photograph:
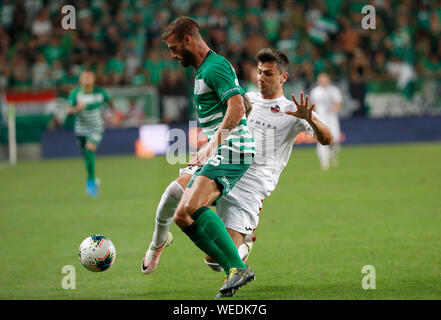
(275, 109)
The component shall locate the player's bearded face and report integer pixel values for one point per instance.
(186, 58)
(180, 52)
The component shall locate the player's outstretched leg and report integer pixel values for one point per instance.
(162, 238)
(151, 258)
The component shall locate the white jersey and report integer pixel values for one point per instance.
(324, 98)
(274, 134)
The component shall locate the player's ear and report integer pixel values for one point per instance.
(285, 76)
(187, 40)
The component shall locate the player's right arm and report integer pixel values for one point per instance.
(74, 107)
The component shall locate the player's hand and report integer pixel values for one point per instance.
(200, 157)
(80, 107)
(304, 110)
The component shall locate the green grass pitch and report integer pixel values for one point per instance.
(381, 207)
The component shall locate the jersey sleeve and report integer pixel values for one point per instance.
(223, 81)
(303, 125)
(72, 98)
(105, 95)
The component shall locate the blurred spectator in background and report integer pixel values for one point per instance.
(134, 115)
(173, 93)
(328, 102)
(404, 74)
(359, 73)
(120, 40)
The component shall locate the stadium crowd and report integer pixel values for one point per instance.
(121, 40)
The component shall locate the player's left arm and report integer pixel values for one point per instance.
(304, 111)
(107, 99)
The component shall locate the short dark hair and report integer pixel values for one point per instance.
(273, 55)
(181, 27)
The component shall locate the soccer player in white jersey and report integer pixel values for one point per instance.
(274, 123)
(328, 101)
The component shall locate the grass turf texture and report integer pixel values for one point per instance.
(381, 207)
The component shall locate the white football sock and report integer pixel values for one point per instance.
(165, 211)
(243, 250)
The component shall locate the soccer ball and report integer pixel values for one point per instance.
(97, 253)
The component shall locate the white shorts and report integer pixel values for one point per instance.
(239, 209)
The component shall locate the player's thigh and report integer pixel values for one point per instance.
(203, 192)
(81, 142)
(93, 141)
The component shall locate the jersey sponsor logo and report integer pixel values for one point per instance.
(261, 123)
(275, 109)
(200, 87)
(230, 90)
(90, 98)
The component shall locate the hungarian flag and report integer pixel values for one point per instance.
(33, 111)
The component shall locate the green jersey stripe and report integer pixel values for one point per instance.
(211, 123)
(204, 120)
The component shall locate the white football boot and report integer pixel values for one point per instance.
(151, 258)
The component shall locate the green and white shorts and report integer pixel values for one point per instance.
(222, 171)
(94, 137)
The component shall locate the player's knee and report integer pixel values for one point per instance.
(91, 146)
(181, 218)
(190, 207)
